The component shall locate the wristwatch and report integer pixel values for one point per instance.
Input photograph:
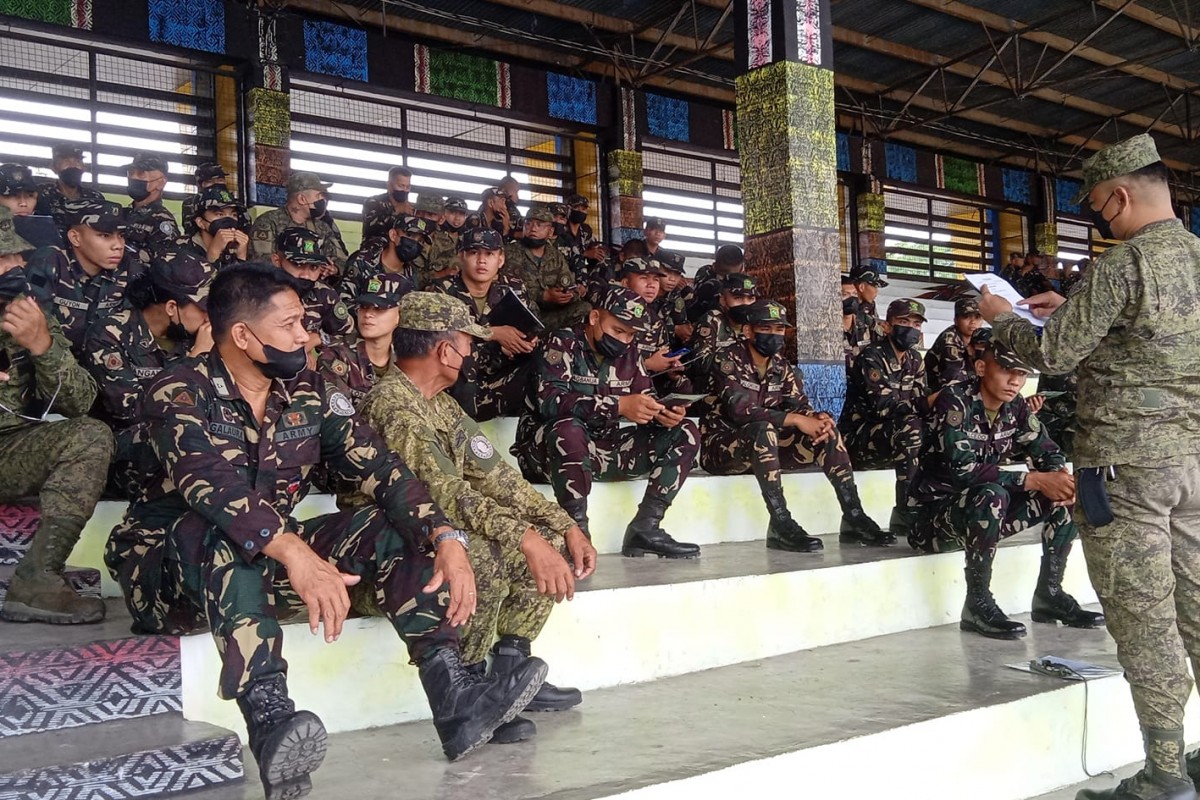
(455, 535)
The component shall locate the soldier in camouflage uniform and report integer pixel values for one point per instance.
(886, 398)
(498, 378)
(761, 421)
(718, 328)
(356, 368)
(864, 329)
(675, 297)
(162, 321)
(962, 500)
(574, 237)
(211, 539)
(439, 245)
(946, 362)
(521, 540)
(306, 207)
(401, 253)
(443, 249)
(86, 278)
(710, 279)
(379, 212)
(66, 160)
(151, 227)
(208, 175)
(654, 340)
(18, 189)
(63, 463)
(589, 379)
(218, 233)
(1131, 330)
(1030, 281)
(547, 277)
(326, 317)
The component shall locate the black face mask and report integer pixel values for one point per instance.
(305, 284)
(281, 364)
(400, 196)
(446, 226)
(71, 177)
(1103, 226)
(904, 337)
(610, 346)
(13, 283)
(319, 208)
(577, 217)
(532, 242)
(223, 224)
(850, 306)
(768, 343)
(407, 250)
(466, 368)
(177, 333)
(138, 190)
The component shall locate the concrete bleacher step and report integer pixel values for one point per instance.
(639, 620)
(923, 715)
(152, 757)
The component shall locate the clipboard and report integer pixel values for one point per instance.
(513, 312)
(39, 231)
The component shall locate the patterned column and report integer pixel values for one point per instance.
(1045, 227)
(624, 169)
(269, 120)
(788, 146)
(870, 231)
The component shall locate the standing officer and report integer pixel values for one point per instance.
(208, 175)
(326, 317)
(762, 421)
(307, 207)
(63, 463)
(380, 211)
(547, 277)
(1131, 329)
(591, 378)
(946, 361)
(150, 226)
(66, 160)
(961, 499)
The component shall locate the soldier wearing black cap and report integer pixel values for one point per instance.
(219, 234)
(401, 253)
(730, 260)
(498, 379)
(151, 227)
(18, 189)
(307, 206)
(209, 174)
(66, 159)
(887, 396)
(718, 328)
(761, 421)
(574, 235)
(442, 258)
(589, 379)
(654, 231)
(547, 277)
(379, 213)
(946, 361)
(86, 278)
(356, 368)
(326, 317)
(864, 330)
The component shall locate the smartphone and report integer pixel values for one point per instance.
(680, 353)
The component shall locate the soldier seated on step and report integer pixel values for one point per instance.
(887, 400)
(947, 361)
(326, 318)
(760, 420)
(63, 463)
(717, 327)
(537, 262)
(641, 276)
(962, 500)
(527, 553)
(211, 540)
(594, 418)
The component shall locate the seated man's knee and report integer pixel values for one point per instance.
(85, 438)
(569, 431)
(760, 432)
(989, 494)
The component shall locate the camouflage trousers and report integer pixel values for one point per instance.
(764, 449)
(500, 389)
(169, 590)
(64, 464)
(977, 519)
(1145, 567)
(507, 600)
(884, 443)
(569, 455)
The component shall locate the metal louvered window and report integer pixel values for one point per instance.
(937, 237)
(62, 88)
(698, 195)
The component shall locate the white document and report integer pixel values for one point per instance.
(1002, 288)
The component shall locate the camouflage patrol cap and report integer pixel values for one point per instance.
(215, 198)
(11, 242)
(147, 162)
(300, 246)
(981, 337)
(209, 170)
(415, 226)
(559, 209)
(99, 215)
(966, 307)
(1116, 160)
(655, 223)
(430, 203)
(1005, 356)
(764, 312)
(63, 150)
(456, 204)
(739, 284)
(183, 276)
(480, 239)
(672, 262)
(16, 178)
(434, 311)
(382, 291)
(577, 200)
(298, 182)
(627, 306)
(906, 307)
(867, 274)
(540, 214)
(642, 266)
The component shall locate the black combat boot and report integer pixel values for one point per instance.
(903, 518)
(519, 729)
(578, 512)
(38, 591)
(511, 652)
(288, 745)
(1051, 603)
(783, 532)
(644, 536)
(466, 711)
(857, 527)
(1164, 777)
(980, 612)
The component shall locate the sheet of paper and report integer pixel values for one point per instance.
(1002, 288)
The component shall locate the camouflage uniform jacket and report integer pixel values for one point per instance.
(367, 263)
(442, 254)
(270, 224)
(706, 291)
(444, 447)
(378, 214)
(963, 449)
(1032, 282)
(551, 271)
(76, 299)
(712, 333)
(244, 477)
(489, 358)
(53, 203)
(349, 368)
(34, 380)
(674, 304)
(744, 395)
(882, 386)
(195, 243)
(326, 314)
(864, 332)
(151, 227)
(572, 246)
(1132, 325)
(946, 362)
(124, 358)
